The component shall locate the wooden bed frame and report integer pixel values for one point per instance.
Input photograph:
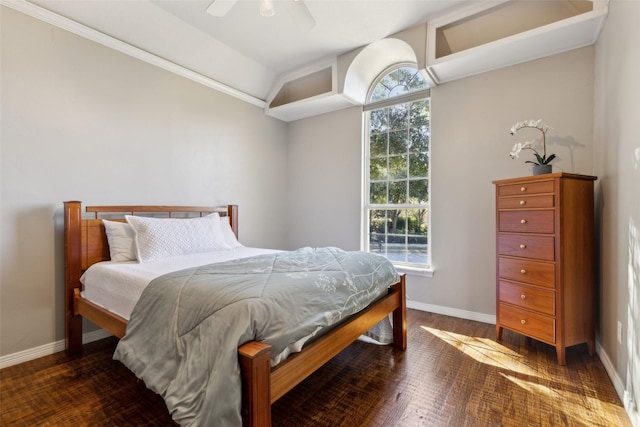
(85, 243)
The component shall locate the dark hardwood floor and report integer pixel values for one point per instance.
(454, 373)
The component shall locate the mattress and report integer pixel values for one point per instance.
(117, 286)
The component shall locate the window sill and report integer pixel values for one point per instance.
(415, 271)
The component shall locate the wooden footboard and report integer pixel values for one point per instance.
(86, 244)
(262, 385)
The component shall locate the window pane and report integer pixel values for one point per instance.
(419, 137)
(378, 221)
(378, 145)
(417, 225)
(380, 92)
(378, 120)
(378, 193)
(398, 141)
(419, 112)
(398, 116)
(418, 82)
(405, 74)
(418, 191)
(389, 81)
(418, 165)
(399, 234)
(393, 216)
(398, 82)
(377, 230)
(398, 90)
(398, 192)
(401, 224)
(398, 167)
(378, 169)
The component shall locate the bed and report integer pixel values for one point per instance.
(86, 244)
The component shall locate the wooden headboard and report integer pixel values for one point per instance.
(85, 240)
(93, 239)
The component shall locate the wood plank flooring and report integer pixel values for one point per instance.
(454, 373)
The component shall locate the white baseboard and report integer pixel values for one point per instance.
(632, 412)
(47, 349)
(453, 312)
(608, 366)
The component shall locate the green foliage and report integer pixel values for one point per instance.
(541, 160)
(399, 168)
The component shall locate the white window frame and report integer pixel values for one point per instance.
(410, 268)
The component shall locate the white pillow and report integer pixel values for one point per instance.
(121, 239)
(160, 238)
(229, 236)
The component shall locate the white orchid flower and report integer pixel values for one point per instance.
(514, 154)
(534, 124)
(517, 148)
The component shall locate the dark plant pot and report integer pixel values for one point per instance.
(541, 169)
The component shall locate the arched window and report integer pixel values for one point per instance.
(396, 173)
(398, 82)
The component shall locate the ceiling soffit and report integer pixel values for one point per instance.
(351, 73)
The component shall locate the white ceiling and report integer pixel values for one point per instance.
(244, 50)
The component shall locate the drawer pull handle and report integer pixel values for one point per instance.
(523, 296)
(523, 321)
(523, 202)
(523, 221)
(523, 246)
(523, 271)
(523, 189)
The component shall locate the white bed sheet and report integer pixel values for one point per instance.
(117, 286)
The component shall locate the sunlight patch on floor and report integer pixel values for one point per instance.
(532, 387)
(578, 407)
(485, 351)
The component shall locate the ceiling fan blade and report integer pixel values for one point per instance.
(301, 15)
(220, 7)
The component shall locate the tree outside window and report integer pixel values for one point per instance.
(397, 170)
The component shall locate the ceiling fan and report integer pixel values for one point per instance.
(297, 9)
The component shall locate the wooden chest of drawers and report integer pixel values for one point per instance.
(545, 259)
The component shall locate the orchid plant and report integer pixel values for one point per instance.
(519, 146)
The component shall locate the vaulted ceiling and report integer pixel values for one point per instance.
(244, 50)
(306, 58)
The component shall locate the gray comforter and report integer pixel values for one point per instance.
(183, 334)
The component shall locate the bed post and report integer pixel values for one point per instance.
(232, 213)
(400, 317)
(256, 384)
(72, 272)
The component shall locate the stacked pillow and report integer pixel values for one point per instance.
(149, 239)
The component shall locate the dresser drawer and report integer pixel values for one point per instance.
(528, 246)
(525, 188)
(528, 297)
(533, 272)
(527, 323)
(526, 221)
(525, 202)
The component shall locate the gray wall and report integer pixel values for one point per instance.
(83, 122)
(617, 153)
(470, 140)
(324, 173)
(80, 121)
